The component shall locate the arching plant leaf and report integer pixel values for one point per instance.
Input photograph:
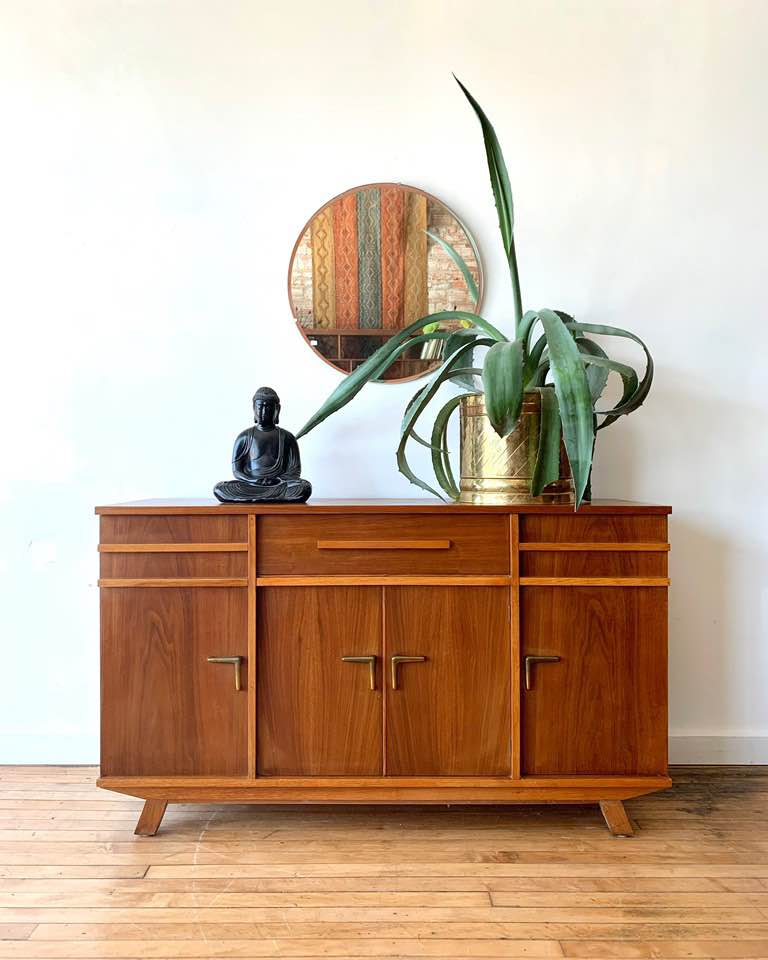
(573, 398)
(503, 385)
(502, 195)
(547, 466)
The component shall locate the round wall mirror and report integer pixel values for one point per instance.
(365, 266)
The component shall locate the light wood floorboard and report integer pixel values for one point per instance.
(459, 883)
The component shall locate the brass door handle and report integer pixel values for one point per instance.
(529, 662)
(397, 660)
(236, 663)
(371, 661)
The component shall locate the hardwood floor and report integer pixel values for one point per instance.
(250, 882)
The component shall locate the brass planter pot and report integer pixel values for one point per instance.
(498, 471)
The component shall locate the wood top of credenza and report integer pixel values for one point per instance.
(317, 506)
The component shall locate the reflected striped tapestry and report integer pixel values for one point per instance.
(369, 256)
(392, 256)
(415, 258)
(369, 260)
(345, 259)
(323, 283)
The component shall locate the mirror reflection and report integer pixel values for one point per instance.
(365, 266)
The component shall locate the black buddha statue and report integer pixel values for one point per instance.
(265, 460)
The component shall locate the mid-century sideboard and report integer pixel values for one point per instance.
(383, 652)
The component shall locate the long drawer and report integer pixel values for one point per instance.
(381, 545)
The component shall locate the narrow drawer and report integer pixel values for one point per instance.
(382, 545)
(165, 565)
(593, 529)
(593, 563)
(144, 529)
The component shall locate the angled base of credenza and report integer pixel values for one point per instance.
(608, 792)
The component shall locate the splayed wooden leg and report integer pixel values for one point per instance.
(616, 818)
(150, 818)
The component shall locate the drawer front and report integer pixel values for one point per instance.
(593, 563)
(593, 529)
(143, 529)
(147, 564)
(382, 545)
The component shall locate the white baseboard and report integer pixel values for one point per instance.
(717, 750)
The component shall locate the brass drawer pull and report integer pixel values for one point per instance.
(371, 661)
(397, 660)
(383, 544)
(529, 662)
(236, 663)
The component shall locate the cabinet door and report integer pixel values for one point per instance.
(317, 713)
(165, 710)
(450, 714)
(602, 709)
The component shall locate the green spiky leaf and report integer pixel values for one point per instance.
(547, 466)
(379, 362)
(502, 195)
(503, 385)
(573, 398)
(417, 405)
(441, 460)
(460, 338)
(643, 388)
(596, 375)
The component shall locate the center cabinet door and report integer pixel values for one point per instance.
(448, 714)
(316, 712)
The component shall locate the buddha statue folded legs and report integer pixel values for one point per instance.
(285, 491)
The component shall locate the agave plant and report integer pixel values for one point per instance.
(548, 352)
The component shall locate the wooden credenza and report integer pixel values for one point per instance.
(383, 652)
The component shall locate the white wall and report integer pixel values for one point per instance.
(158, 160)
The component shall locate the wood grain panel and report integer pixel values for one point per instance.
(558, 527)
(288, 546)
(146, 528)
(165, 709)
(173, 565)
(603, 708)
(316, 714)
(595, 563)
(451, 714)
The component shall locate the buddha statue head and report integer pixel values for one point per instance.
(266, 408)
